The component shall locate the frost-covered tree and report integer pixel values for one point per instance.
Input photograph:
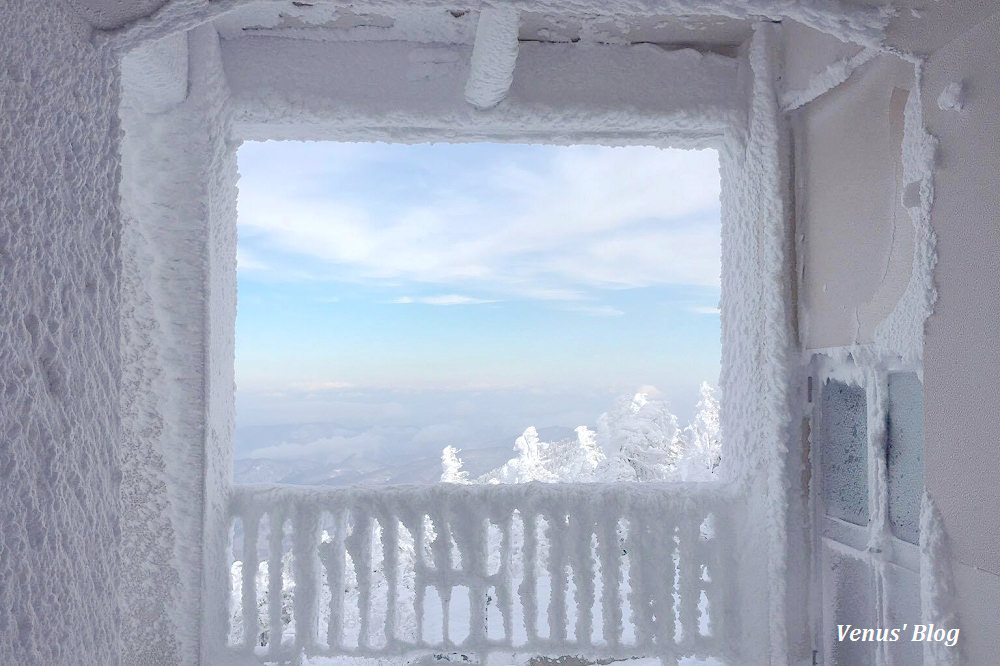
(529, 464)
(638, 439)
(644, 436)
(702, 440)
(451, 466)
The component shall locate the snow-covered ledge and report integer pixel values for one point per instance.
(178, 248)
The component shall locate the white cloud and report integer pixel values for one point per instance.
(247, 261)
(554, 229)
(447, 299)
(596, 310)
(706, 310)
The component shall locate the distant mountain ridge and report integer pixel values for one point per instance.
(368, 468)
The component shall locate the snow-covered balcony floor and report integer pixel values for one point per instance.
(598, 571)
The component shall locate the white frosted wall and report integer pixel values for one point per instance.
(178, 196)
(962, 357)
(59, 357)
(856, 239)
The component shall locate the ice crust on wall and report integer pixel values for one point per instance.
(835, 73)
(178, 247)
(849, 22)
(59, 357)
(937, 587)
(902, 332)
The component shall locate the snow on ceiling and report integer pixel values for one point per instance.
(108, 14)
(304, 20)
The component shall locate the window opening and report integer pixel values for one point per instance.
(477, 313)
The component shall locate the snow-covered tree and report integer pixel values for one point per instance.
(527, 466)
(644, 436)
(451, 466)
(702, 440)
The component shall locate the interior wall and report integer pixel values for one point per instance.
(855, 236)
(961, 354)
(848, 226)
(59, 351)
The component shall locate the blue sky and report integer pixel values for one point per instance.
(381, 274)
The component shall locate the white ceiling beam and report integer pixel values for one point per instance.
(394, 91)
(494, 54)
(845, 20)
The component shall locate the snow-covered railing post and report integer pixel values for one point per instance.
(590, 570)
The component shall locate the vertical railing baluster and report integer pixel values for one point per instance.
(251, 525)
(274, 631)
(528, 588)
(690, 573)
(660, 545)
(504, 583)
(419, 575)
(390, 562)
(359, 545)
(557, 575)
(477, 569)
(639, 561)
(610, 556)
(335, 560)
(581, 532)
(304, 541)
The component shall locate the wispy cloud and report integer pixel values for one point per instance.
(247, 261)
(705, 310)
(554, 227)
(446, 299)
(596, 310)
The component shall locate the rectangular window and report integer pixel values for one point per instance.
(477, 313)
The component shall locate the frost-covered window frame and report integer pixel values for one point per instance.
(178, 248)
(892, 564)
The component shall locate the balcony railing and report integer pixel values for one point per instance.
(600, 571)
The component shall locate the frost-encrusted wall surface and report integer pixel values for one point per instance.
(59, 369)
(756, 346)
(178, 199)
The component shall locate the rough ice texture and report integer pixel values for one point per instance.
(835, 73)
(616, 570)
(952, 98)
(844, 435)
(849, 22)
(937, 585)
(756, 372)
(179, 181)
(493, 57)
(562, 93)
(901, 334)
(59, 367)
